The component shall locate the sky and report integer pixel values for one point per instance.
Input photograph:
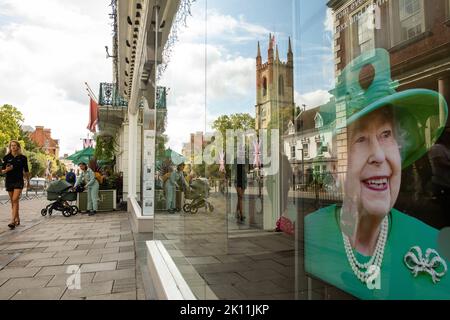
(49, 48)
(230, 31)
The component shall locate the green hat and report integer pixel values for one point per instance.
(365, 85)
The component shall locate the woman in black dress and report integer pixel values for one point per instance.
(15, 166)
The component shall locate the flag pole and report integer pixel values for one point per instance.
(91, 93)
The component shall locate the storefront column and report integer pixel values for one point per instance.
(132, 155)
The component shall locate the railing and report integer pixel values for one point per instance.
(109, 96)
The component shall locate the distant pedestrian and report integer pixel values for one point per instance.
(15, 166)
(70, 177)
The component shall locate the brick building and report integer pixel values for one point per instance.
(43, 138)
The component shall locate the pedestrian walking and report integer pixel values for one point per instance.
(15, 166)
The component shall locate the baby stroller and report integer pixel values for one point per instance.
(198, 194)
(60, 192)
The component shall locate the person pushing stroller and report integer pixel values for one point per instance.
(171, 185)
(87, 177)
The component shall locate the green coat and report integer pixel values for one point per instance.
(325, 258)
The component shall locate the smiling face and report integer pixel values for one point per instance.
(374, 164)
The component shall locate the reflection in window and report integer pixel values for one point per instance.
(411, 18)
(305, 150)
(319, 121)
(363, 32)
(281, 86)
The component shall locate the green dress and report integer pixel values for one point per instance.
(325, 258)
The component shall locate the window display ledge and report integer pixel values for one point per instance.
(168, 282)
(139, 223)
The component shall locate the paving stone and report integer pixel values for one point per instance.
(99, 288)
(60, 280)
(120, 244)
(60, 248)
(46, 244)
(53, 270)
(202, 260)
(34, 256)
(25, 245)
(2, 281)
(6, 294)
(71, 253)
(115, 296)
(251, 289)
(126, 249)
(83, 259)
(118, 256)
(114, 275)
(48, 262)
(19, 263)
(226, 291)
(260, 274)
(98, 267)
(124, 285)
(25, 283)
(90, 246)
(53, 293)
(96, 252)
(18, 272)
(224, 278)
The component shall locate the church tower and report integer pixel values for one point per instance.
(274, 88)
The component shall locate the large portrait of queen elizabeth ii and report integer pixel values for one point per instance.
(365, 246)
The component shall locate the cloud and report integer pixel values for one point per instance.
(197, 70)
(329, 23)
(49, 49)
(312, 99)
(224, 28)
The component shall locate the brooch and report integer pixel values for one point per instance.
(431, 263)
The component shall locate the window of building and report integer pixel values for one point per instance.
(318, 121)
(305, 150)
(448, 9)
(264, 86)
(292, 152)
(281, 86)
(412, 22)
(363, 31)
(319, 148)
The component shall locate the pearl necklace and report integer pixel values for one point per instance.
(360, 269)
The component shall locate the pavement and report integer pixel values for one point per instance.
(59, 258)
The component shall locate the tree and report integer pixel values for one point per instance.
(10, 122)
(238, 121)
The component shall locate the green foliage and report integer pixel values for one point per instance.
(11, 119)
(238, 121)
(105, 148)
(37, 163)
